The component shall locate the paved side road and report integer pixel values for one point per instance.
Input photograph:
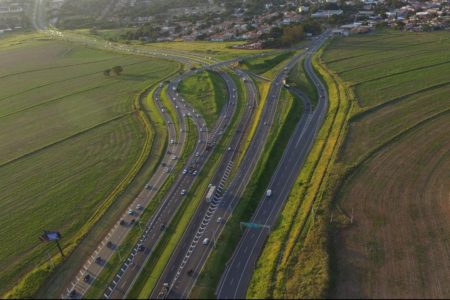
(235, 280)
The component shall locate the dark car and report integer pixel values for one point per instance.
(87, 278)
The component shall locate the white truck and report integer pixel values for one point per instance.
(269, 193)
(210, 193)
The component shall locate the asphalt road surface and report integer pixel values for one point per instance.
(159, 222)
(190, 255)
(110, 243)
(236, 278)
(195, 231)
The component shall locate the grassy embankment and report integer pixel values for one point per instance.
(206, 92)
(74, 141)
(287, 115)
(266, 66)
(155, 266)
(294, 262)
(298, 78)
(395, 153)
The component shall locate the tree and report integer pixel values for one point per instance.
(292, 35)
(107, 72)
(117, 70)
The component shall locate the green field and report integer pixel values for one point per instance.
(207, 93)
(396, 153)
(69, 136)
(204, 50)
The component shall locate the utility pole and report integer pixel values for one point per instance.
(351, 220)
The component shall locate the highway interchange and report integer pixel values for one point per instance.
(191, 253)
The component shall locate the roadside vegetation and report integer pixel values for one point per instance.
(261, 65)
(207, 92)
(72, 140)
(288, 113)
(298, 78)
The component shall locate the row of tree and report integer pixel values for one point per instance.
(290, 35)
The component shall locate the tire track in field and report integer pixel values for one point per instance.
(65, 139)
(59, 81)
(401, 73)
(67, 95)
(383, 61)
(56, 67)
(394, 101)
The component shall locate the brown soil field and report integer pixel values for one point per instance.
(399, 243)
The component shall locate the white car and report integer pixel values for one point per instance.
(194, 173)
(197, 154)
(174, 157)
(183, 192)
(184, 171)
(205, 241)
(130, 212)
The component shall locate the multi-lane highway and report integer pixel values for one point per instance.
(196, 231)
(235, 280)
(154, 231)
(190, 256)
(110, 243)
(210, 218)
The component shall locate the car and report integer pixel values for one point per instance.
(176, 106)
(167, 170)
(194, 173)
(130, 212)
(190, 272)
(205, 241)
(99, 260)
(229, 149)
(219, 220)
(197, 154)
(122, 222)
(148, 186)
(141, 248)
(110, 245)
(138, 207)
(172, 141)
(184, 171)
(174, 157)
(132, 221)
(162, 226)
(183, 192)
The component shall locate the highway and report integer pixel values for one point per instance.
(190, 256)
(159, 222)
(206, 210)
(110, 243)
(236, 278)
